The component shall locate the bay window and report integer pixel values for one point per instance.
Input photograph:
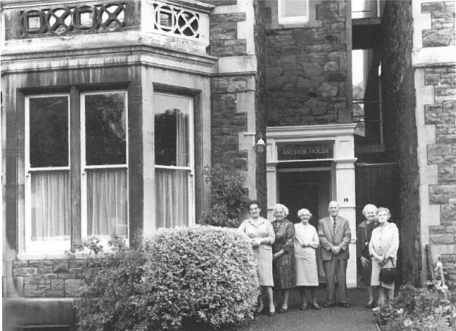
(48, 172)
(103, 184)
(174, 168)
(104, 170)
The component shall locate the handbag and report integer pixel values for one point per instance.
(388, 275)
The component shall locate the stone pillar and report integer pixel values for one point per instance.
(346, 196)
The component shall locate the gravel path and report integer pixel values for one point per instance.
(356, 318)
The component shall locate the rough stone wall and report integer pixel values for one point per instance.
(442, 114)
(227, 121)
(223, 35)
(439, 117)
(398, 88)
(48, 278)
(442, 24)
(307, 68)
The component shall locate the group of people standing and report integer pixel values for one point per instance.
(285, 254)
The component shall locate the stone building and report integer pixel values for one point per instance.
(111, 110)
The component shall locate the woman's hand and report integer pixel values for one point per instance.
(380, 259)
(256, 242)
(364, 262)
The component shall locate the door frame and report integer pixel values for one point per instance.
(342, 171)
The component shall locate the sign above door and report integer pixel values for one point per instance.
(305, 150)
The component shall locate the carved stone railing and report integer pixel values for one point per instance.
(66, 19)
(176, 24)
(174, 20)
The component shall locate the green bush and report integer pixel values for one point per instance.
(107, 298)
(228, 197)
(200, 276)
(418, 309)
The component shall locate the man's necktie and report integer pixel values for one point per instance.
(334, 225)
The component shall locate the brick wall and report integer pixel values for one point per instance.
(48, 278)
(400, 129)
(307, 68)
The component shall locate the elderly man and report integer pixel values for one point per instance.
(335, 236)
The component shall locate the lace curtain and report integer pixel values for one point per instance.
(172, 185)
(50, 206)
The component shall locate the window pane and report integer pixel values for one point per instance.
(105, 125)
(293, 8)
(48, 127)
(172, 130)
(171, 197)
(50, 203)
(107, 202)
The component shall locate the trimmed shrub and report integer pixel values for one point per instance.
(199, 275)
(184, 278)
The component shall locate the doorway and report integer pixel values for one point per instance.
(306, 188)
(301, 188)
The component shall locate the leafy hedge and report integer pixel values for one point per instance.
(185, 277)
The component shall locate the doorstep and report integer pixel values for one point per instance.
(38, 314)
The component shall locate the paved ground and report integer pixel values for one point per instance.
(356, 318)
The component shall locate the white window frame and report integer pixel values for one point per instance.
(84, 166)
(41, 246)
(294, 20)
(191, 167)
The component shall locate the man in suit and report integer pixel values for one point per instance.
(335, 236)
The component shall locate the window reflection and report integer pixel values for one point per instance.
(171, 138)
(105, 121)
(48, 132)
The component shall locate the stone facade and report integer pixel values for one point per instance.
(49, 278)
(435, 63)
(419, 107)
(308, 68)
(441, 115)
(441, 32)
(237, 91)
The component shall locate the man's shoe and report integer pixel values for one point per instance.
(344, 304)
(370, 305)
(328, 305)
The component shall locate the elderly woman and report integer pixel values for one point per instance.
(283, 265)
(363, 235)
(305, 244)
(383, 248)
(262, 236)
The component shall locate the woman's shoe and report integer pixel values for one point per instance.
(316, 306)
(271, 313)
(283, 310)
(370, 305)
(303, 307)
